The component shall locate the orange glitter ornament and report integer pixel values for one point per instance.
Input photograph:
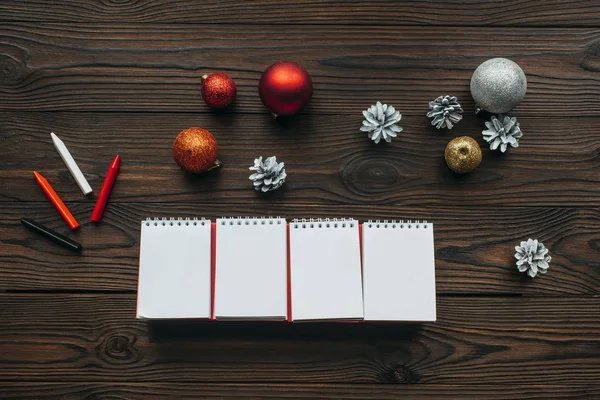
(195, 150)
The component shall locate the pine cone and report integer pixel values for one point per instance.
(445, 112)
(532, 256)
(380, 122)
(269, 174)
(502, 131)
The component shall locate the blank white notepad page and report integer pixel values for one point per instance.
(398, 271)
(251, 268)
(326, 278)
(175, 264)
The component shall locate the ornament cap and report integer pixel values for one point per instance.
(204, 77)
(216, 165)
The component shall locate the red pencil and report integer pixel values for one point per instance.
(109, 181)
(55, 199)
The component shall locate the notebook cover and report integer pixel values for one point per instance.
(251, 269)
(399, 271)
(174, 269)
(326, 281)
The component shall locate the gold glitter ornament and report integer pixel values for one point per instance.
(463, 154)
(195, 150)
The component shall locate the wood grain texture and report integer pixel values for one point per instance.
(328, 161)
(147, 67)
(53, 337)
(381, 12)
(474, 247)
(123, 77)
(182, 390)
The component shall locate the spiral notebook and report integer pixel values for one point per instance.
(251, 269)
(398, 271)
(175, 269)
(267, 269)
(326, 282)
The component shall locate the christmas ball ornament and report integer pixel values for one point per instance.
(532, 257)
(502, 131)
(195, 150)
(498, 85)
(218, 90)
(380, 122)
(285, 88)
(463, 154)
(268, 174)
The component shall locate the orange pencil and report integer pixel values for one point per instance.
(58, 203)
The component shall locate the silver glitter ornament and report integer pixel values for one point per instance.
(498, 85)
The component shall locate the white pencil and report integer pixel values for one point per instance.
(71, 164)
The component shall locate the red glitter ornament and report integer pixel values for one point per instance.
(285, 88)
(218, 90)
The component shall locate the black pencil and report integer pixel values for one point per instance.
(50, 234)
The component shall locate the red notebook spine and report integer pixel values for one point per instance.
(289, 278)
(213, 267)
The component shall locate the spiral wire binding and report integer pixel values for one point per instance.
(251, 221)
(157, 221)
(396, 224)
(304, 223)
(301, 223)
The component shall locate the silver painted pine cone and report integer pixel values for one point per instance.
(380, 122)
(532, 257)
(269, 175)
(502, 131)
(445, 112)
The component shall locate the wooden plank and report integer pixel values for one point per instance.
(51, 337)
(157, 68)
(328, 161)
(382, 12)
(182, 390)
(474, 247)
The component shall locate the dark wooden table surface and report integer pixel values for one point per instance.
(124, 77)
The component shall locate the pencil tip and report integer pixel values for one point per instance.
(116, 162)
(38, 176)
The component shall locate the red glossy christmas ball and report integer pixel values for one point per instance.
(218, 90)
(285, 88)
